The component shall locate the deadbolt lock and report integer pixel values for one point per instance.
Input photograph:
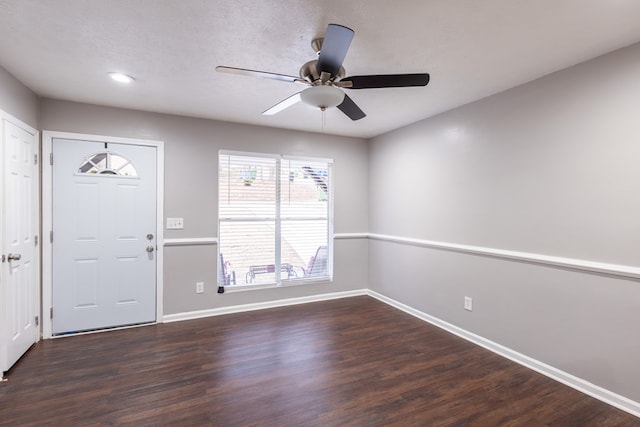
(149, 236)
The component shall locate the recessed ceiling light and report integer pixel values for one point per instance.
(122, 78)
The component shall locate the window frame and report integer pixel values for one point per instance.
(279, 158)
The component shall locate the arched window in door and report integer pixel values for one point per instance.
(107, 163)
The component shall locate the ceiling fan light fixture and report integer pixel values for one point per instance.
(322, 97)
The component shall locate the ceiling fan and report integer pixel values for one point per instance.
(325, 77)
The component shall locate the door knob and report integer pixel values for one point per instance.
(14, 257)
(150, 248)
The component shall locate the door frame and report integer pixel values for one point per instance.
(4, 116)
(47, 217)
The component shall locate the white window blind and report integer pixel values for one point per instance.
(274, 219)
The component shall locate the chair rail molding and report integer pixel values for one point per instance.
(206, 241)
(340, 236)
(191, 241)
(615, 270)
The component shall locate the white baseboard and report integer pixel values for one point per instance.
(565, 378)
(261, 305)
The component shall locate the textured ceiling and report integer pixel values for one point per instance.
(63, 49)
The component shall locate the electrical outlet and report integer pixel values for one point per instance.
(468, 303)
(199, 287)
(175, 223)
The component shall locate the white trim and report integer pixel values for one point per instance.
(190, 315)
(548, 260)
(206, 241)
(191, 241)
(330, 219)
(273, 156)
(350, 236)
(47, 221)
(248, 154)
(16, 121)
(307, 158)
(159, 228)
(563, 377)
(301, 281)
(569, 263)
(47, 144)
(101, 138)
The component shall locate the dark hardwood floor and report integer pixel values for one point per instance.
(348, 362)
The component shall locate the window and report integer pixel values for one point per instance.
(275, 219)
(107, 163)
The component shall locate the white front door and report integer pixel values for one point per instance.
(19, 296)
(104, 243)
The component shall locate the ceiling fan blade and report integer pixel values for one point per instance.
(263, 74)
(351, 109)
(386, 80)
(285, 103)
(334, 48)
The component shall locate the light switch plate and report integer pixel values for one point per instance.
(175, 223)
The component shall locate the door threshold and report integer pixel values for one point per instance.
(99, 330)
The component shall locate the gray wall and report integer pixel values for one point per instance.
(547, 168)
(551, 168)
(191, 153)
(18, 100)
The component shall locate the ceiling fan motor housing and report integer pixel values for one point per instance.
(309, 71)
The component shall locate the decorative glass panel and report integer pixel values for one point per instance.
(107, 163)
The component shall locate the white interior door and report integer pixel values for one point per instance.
(103, 221)
(19, 296)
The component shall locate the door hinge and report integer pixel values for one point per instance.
(51, 159)
(51, 313)
(35, 240)
(51, 236)
(37, 321)
(35, 159)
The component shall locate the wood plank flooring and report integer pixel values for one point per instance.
(348, 362)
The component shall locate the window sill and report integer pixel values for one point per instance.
(288, 284)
